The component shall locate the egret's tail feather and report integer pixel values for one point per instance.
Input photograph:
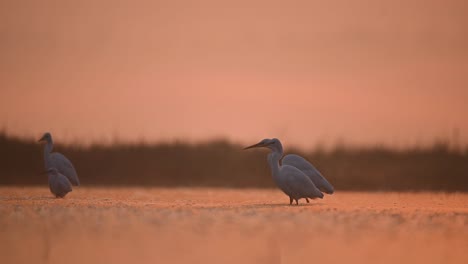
(327, 188)
(319, 196)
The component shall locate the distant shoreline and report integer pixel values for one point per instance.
(224, 164)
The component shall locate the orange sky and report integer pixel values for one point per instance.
(363, 72)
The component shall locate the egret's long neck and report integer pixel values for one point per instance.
(48, 148)
(273, 160)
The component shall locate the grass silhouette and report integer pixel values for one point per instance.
(223, 164)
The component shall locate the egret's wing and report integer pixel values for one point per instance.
(59, 185)
(299, 183)
(65, 167)
(64, 184)
(308, 169)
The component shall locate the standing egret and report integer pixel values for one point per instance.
(59, 184)
(291, 180)
(58, 161)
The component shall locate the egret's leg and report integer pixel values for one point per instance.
(307, 199)
(290, 200)
(297, 202)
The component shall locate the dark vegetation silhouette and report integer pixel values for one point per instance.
(222, 164)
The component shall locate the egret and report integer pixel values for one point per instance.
(291, 180)
(59, 184)
(308, 169)
(58, 161)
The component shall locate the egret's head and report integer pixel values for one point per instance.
(47, 137)
(274, 144)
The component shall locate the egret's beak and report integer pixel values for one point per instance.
(42, 139)
(258, 145)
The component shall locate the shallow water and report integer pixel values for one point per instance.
(203, 225)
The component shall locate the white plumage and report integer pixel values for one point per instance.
(58, 161)
(59, 184)
(308, 169)
(296, 182)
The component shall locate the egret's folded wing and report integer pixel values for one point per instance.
(59, 185)
(64, 183)
(308, 169)
(299, 183)
(65, 167)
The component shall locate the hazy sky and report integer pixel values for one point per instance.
(363, 72)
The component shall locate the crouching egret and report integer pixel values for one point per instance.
(293, 181)
(58, 161)
(59, 184)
